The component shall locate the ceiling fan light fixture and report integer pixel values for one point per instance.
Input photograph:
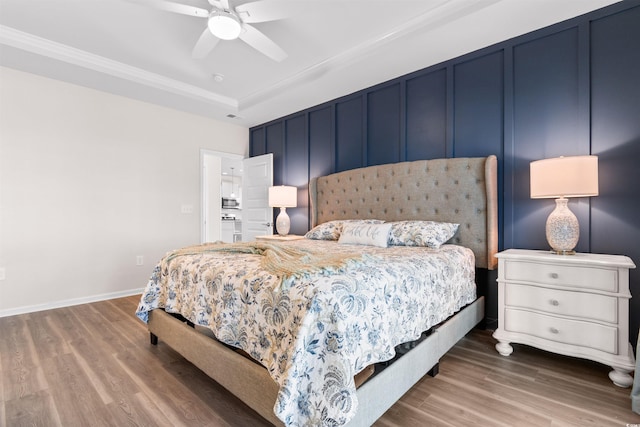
(224, 25)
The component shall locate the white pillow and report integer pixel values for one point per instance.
(365, 234)
(331, 230)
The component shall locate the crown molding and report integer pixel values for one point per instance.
(61, 52)
(441, 12)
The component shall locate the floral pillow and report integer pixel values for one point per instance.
(331, 230)
(421, 233)
(359, 233)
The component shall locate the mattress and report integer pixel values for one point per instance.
(315, 333)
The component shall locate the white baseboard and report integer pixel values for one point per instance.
(69, 302)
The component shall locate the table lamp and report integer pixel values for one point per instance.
(560, 178)
(283, 197)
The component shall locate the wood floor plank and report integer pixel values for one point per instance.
(180, 404)
(417, 394)
(132, 330)
(47, 340)
(459, 413)
(158, 418)
(474, 397)
(2, 382)
(21, 372)
(93, 364)
(2, 410)
(404, 414)
(577, 391)
(229, 408)
(98, 326)
(490, 357)
(560, 405)
(107, 310)
(67, 324)
(36, 409)
(105, 373)
(130, 412)
(523, 392)
(77, 401)
(124, 306)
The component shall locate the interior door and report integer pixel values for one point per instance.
(257, 216)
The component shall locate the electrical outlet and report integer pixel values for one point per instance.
(2, 273)
(186, 209)
(139, 260)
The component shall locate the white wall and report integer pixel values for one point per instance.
(89, 181)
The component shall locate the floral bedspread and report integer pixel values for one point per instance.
(316, 334)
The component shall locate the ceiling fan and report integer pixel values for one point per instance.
(227, 23)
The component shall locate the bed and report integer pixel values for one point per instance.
(306, 370)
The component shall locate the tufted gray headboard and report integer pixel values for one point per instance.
(460, 190)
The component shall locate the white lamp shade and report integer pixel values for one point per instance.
(575, 176)
(283, 196)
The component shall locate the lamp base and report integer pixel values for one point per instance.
(283, 223)
(562, 252)
(563, 230)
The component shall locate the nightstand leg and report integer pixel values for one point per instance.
(621, 377)
(504, 348)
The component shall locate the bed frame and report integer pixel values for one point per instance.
(461, 190)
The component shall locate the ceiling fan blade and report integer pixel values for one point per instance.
(170, 6)
(262, 43)
(225, 4)
(205, 44)
(269, 10)
(215, 3)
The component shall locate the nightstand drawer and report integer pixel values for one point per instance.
(565, 331)
(562, 275)
(568, 303)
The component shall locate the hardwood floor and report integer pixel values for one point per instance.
(92, 365)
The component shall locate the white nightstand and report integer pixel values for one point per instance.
(576, 305)
(277, 237)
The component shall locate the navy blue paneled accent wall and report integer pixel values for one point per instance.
(569, 89)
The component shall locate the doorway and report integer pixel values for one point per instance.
(234, 196)
(221, 177)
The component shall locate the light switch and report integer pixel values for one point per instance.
(186, 209)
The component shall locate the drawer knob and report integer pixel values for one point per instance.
(554, 302)
(554, 275)
(553, 330)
